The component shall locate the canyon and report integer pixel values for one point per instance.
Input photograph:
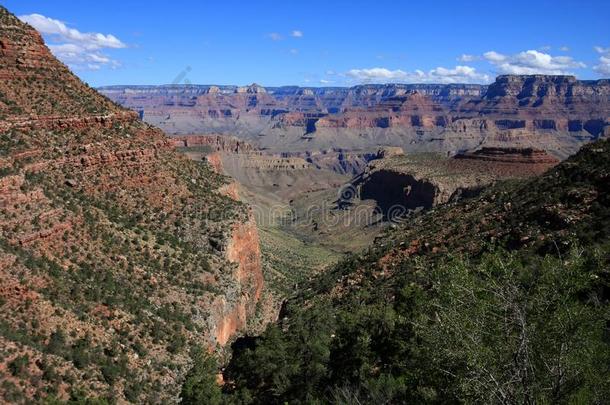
(554, 113)
(404, 147)
(140, 225)
(294, 151)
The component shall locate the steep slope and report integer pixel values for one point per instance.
(117, 254)
(499, 299)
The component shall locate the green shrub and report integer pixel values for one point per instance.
(19, 366)
(200, 386)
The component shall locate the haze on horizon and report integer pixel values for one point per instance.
(315, 43)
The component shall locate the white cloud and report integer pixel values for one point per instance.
(494, 56)
(565, 49)
(324, 81)
(274, 36)
(533, 62)
(90, 40)
(78, 49)
(81, 58)
(468, 58)
(296, 34)
(294, 51)
(459, 74)
(377, 74)
(603, 68)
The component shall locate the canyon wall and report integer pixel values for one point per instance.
(554, 113)
(401, 183)
(117, 254)
(216, 143)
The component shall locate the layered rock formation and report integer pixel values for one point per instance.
(539, 103)
(117, 254)
(400, 183)
(215, 143)
(289, 98)
(412, 109)
(555, 113)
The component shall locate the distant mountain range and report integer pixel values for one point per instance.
(556, 113)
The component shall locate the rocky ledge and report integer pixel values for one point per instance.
(400, 183)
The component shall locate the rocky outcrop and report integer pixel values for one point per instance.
(59, 122)
(401, 183)
(216, 143)
(262, 162)
(244, 251)
(510, 155)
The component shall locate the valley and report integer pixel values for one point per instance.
(402, 176)
(294, 151)
(376, 243)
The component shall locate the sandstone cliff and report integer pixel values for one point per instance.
(213, 143)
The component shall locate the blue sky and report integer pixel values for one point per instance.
(321, 43)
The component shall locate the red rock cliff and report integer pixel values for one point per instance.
(244, 251)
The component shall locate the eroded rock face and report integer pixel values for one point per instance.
(117, 253)
(400, 183)
(554, 113)
(244, 250)
(281, 99)
(408, 110)
(537, 94)
(526, 156)
(216, 143)
(230, 314)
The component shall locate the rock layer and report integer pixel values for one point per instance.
(554, 113)
(401, 183)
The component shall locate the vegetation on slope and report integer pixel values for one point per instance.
(113, 247)
(500, 299)
(111, 308)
